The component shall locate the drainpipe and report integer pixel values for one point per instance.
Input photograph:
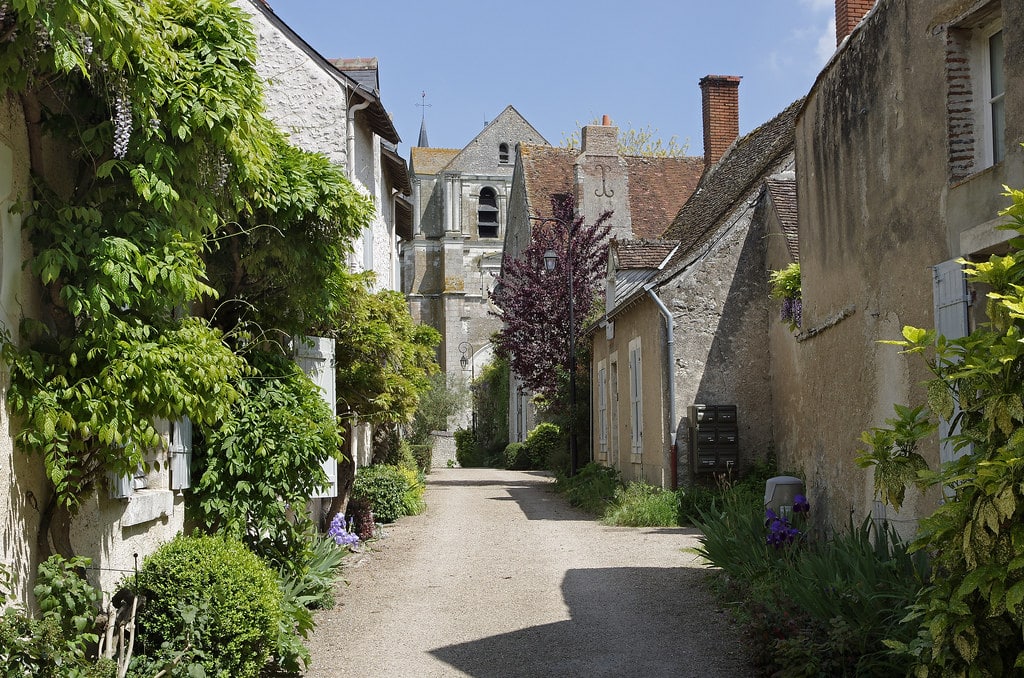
(669, 362)
(350, 146)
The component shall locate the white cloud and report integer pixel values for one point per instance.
(819, 5)
(826, 45)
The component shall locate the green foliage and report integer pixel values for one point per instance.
(491, 404)
(423, 456)
(642, 505)
(385, 488)
(516, 458)
(415, 487)
(300, 593)
(384, 360)
(182, 191)
(785, 283)
(265, 457)
(439, 402)
(893, 453)
(213, 597)
(829, 607)
(467, 452)
(592, 489)
(55, 644)
(970, 616)
(543, 443)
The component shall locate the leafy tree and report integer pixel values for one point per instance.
(534, 303)
(171, 186)
(263, 459)
(971, 613)
(643, 141)
(437, 404)
(384, 360)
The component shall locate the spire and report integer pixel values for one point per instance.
(423, 143)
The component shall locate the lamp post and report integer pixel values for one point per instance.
(466, 349)
(550, 262)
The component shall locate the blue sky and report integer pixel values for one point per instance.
(563, 62)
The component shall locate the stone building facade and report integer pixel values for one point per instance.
(460, 200)
(902, 149)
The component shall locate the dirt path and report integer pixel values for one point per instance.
(500, 578)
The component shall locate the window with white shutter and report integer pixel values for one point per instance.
(951, 311)
(602, 410)
(315, 355)
(635, 401)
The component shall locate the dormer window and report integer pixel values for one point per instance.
(487, 213)
(503, 154)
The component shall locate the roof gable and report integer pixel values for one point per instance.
(510, 128)
(782, 193)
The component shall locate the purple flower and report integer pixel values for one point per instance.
(780, 532)
(341, 532)
(800, 504)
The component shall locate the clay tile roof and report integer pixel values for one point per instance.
(547, 171)
(642, 253)
(783, 195)
(740, 171)
(658, 187)
(430, 160)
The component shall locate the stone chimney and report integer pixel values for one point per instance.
(600, 139)
(720, 99)
(848, 15)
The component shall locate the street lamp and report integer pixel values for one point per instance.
(466, 349)
(550, 262)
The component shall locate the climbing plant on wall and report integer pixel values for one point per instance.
(970, 612)
(164, 203)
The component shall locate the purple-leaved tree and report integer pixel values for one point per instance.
(534, 302)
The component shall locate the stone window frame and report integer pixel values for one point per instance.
(503, 154)
(484, 228)
(972, 134)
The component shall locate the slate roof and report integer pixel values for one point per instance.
(658, 187)
(361, 69)
(430, 160)
(783, 196)
(740, 171)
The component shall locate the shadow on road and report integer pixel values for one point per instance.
(625, 622)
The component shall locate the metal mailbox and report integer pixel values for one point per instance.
(713, 438)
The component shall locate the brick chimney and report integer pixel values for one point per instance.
(720, 99)
(848, 15)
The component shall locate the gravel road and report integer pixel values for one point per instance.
(501, 577)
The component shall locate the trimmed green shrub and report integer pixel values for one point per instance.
(384, 487)
(643, 505)
(212, 595)
(543, 444)
(516, 457)
(466, 452)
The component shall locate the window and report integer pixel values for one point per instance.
(602, 411)
(503, 153)
(613, 393)
(975, 103)
(636, 418)
(994, 110)
(487, 213)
